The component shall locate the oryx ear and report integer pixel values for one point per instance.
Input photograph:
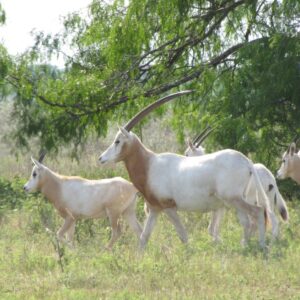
(190, 144)
(292, 149)
(124, 131)
(36, 163)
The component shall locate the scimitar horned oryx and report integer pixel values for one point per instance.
(269, 185)
(171, 182)
(76, 198)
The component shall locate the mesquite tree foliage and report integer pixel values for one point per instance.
(241, 57)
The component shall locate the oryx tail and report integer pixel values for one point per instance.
(280, 204)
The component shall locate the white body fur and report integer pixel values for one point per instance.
(76, 197)
(270, 187)
(290, 165)
(170, 182)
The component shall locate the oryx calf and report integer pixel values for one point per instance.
(290, 165)
(76, 197)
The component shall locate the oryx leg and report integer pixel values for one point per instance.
(115, 228)
(214, 225)
(174, 218)
(70, 233)
(254, 211)
(69, 221)
(146, 209)
(275, 224)
(130, 216)
(274, 221)
(246, 223)
(150, 222)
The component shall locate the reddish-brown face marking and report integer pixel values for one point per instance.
(137, 160)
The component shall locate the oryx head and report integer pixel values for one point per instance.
(289, 163)
(194, 147)
(124, 139)
(36, 177)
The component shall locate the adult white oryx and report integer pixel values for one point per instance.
(268, 182)
(169, 181)
(290, 164)
(75, 198)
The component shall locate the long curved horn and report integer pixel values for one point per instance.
(151, 107)
(198, 137)
(207, 133)
(42, 155)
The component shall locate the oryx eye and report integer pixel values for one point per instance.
(34, 175)
(283, 161)
(117, 142)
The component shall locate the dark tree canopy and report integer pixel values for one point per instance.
(2, 15)
(241, 57)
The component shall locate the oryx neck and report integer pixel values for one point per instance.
(295, 175)
(137, 164)
(51, 187)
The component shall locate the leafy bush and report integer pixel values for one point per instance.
(12, 195)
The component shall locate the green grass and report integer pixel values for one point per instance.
(31, 267)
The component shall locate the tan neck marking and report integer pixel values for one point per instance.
(137, 161)
(50, 187)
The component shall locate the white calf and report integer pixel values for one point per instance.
(76, 197)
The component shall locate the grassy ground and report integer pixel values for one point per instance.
(33, 266)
